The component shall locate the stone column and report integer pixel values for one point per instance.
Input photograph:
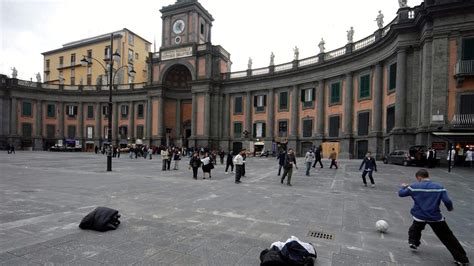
(401, 91)
(39, 119)
(248, 113)
(61, 120)
(149, 111)
(226, 115)
(376, 146)
(14, 117)
(320, 110)
(178, 122)
(161, 117)
(425, 106)
(80, 118)
(207, 114)
(131, 120)
(347, 143)
(194, 116)
(271, 113)
(98, 124)
(294, 112)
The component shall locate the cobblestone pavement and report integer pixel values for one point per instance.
(170, 219)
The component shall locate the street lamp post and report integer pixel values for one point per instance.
(115, 56)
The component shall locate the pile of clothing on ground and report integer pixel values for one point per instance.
(292, 252)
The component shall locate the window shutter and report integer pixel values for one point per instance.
(263, 130)
(255, 101)
(312, 94)
(254, 131)
(264, 100)
(302, 95)
(75, 110)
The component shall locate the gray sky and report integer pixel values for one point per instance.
(245, 28)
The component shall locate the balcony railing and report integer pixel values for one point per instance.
(464, 67)
(463, 121)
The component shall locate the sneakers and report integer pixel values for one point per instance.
(372, 186)
(413, 246)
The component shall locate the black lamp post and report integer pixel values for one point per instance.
(115, 56)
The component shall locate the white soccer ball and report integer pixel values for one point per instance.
(381, 226)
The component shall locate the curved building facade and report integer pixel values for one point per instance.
(409, 83)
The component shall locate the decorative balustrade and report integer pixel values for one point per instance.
(260, 71)
(364, 42)
(463, 121)
(308, 61)
(239, 74)
(26, 83)
(464, 67)
(335, 53)
(284, 67)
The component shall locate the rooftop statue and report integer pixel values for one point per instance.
(297, 53)
(379, 19)
(14, 72)
(272, 59)
(38, 77)
(350, 35)
(402, 3)
(321, 46)
(249, 64)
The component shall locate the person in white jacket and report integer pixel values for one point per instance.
(309, 159)
(239, 164)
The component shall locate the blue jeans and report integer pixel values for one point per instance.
(308, 167)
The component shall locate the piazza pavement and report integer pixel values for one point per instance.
(168, 218)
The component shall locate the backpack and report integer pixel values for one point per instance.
(101, 219)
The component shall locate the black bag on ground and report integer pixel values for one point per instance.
(271, 257)
(101, 219)
(295, 254)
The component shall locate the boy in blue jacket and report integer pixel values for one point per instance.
(427, 197)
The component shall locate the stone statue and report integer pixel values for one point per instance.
(272, 59)
(61, 78)
(379, 19)
(297, 53)
(249, 64)
(38, 77)
(402, 3)
(350, 35)
(321, 46)
(14, 72)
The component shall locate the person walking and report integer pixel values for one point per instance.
(281, 161)
(206, 166)
(333, 157)
(168, 161)
(431, 157)
(229, 162)
(244, 156)
(150, 152)
(222, 155)
(195, 163)
(370, 166)
(427, 197)
(317, 157)
(164, 158)
(290, 161)
(451, 157)
(469, 157)
(309, 159)
(176, 158)
(238, 162)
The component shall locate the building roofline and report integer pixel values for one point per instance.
(92, 40)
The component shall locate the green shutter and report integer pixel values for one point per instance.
(264, 127)
(364, 87)
(392, 77)
(254, 132)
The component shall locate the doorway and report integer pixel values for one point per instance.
(362, 148)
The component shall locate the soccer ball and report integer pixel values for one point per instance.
(381, 226)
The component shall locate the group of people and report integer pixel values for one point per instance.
(170, 154)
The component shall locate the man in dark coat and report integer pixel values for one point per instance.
(317, 155)
(281, 161)
(370, 166)
(290, 161)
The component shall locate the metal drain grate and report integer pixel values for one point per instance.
(322, 235)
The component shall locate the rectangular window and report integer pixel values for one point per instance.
(131, 39)
(238, 105)
(50, 131)
(73, 81)
(106, 132)
(467, 49)
(283, 102)
(282, 128)
(334, 124)
(467, 104)
(105, 110)
(307, 128)
(47, 65)
(392, 77)
(71, 132)
(237, 129)
(123, 132)
(71, 110)
(51, 110)
(124, 111)
(363, 124)
(107, 52)
(26, 130)
(89, 53)
(259, 130)
(73, 59)
(364, 87)
(140, 131)
(90, 132)
(73, 72)
(130, 55)
(90, 111)
(307, 97)
(390, 118)
(259, 102)
(61, 61)
(136, 56)
(26, 109)
(202, 28)
(140, 110)
(335, 93)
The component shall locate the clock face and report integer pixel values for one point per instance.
(178, 26)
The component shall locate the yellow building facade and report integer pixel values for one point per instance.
(63, 65)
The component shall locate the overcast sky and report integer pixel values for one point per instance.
(245, 28)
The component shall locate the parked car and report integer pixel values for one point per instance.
(399, 157)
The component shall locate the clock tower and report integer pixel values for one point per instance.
(185, 97)
(185, 22)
